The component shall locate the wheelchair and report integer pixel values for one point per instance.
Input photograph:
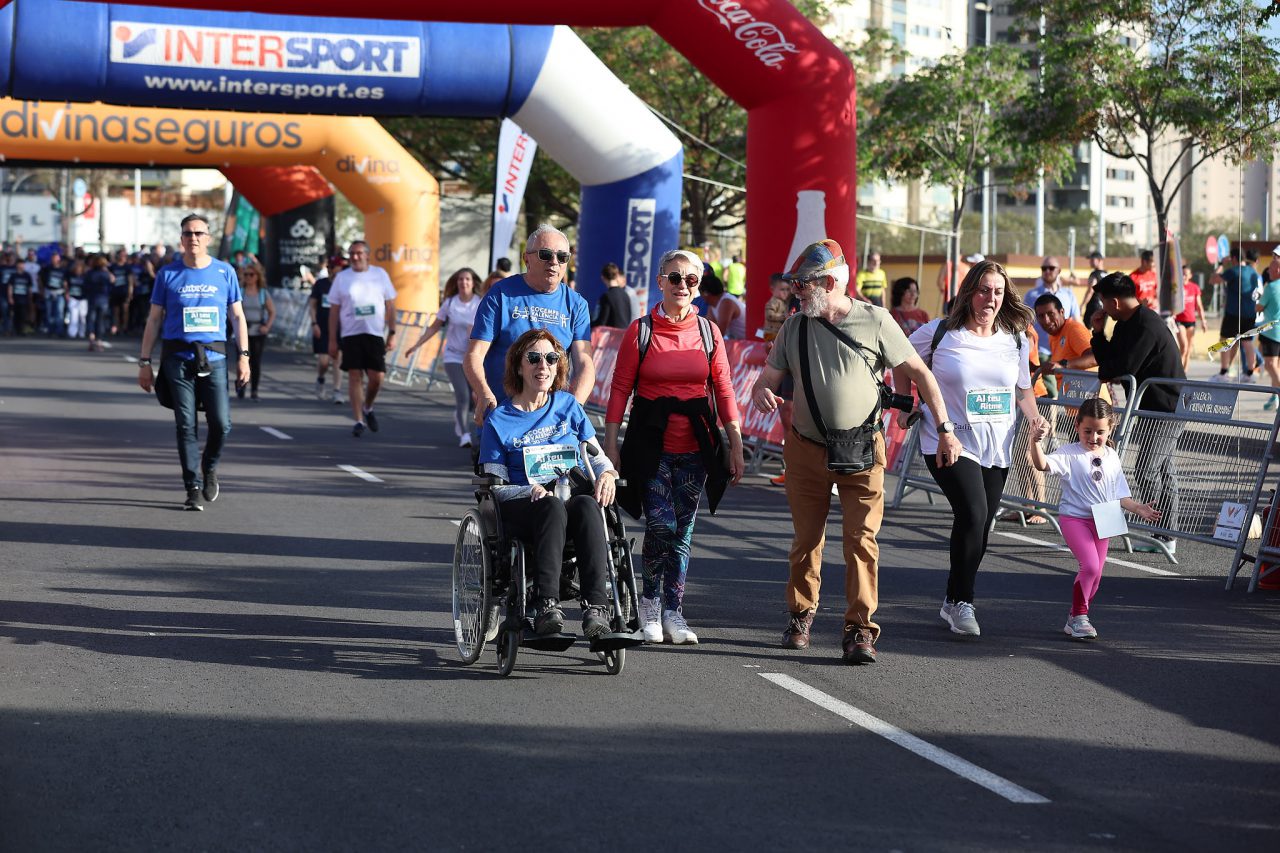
(493, 590)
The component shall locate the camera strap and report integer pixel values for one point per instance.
(818, 422)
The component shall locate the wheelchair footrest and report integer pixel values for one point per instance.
(613, 642)
(547, 642)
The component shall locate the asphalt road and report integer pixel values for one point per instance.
(278, 672)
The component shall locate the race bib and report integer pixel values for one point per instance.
(542, 460)
(365, 310)
(983, 405)
(19, 290)
(200, 320)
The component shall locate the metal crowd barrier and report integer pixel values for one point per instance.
(1203, 465)
(407, 370)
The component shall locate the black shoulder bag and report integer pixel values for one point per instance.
(849, 451)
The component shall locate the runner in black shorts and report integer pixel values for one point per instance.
(1235, 324)
(364, 352)
(362, 304)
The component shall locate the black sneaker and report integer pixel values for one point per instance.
(548, 618)
(372, 419)
(211, 489)
(595, 621)
(195, 501)
(358, 429)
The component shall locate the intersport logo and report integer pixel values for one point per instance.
(761, 37)
(264, 51)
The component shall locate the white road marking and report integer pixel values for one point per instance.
(949, 761)
(363, 475)
(277, 433)
(1151, 570)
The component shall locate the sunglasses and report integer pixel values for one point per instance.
(1097, 470)
(690, 279)
(1046, 269)
(800, 285)
(539, 357)
(195, 235)
(547, 255)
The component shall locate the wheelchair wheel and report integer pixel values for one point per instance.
(614, 661)
(508, 646)
(472, 581)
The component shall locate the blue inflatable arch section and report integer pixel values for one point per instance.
(542, 77)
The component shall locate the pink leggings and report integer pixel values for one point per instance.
(1082, 539)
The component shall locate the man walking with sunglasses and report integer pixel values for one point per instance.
(535, 299)
(190, 304)
(362, 304)
(1051, 281)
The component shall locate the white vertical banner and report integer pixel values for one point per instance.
(515, 157)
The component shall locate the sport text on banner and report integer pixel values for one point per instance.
(515, 158)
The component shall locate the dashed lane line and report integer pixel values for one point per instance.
(272, 431)
(1151, 570)
(363, 475)
(947, 760)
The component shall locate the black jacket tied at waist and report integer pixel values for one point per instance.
(642, 449)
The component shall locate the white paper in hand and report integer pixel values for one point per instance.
(1108, 520)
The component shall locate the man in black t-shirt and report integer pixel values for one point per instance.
(614, 310)
(7, 269)
(53, 286)
(22, 296)
(1142, 346)
(318, 306)
(1093, 301)
(121, 291)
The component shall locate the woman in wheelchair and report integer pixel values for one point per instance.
(529, 440)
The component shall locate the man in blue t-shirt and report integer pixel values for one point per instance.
(191, 301)
(1239, 311)
(535, 300)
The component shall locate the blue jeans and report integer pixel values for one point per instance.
(670, 508)
(99, 317)
(210, 390)
(55, 314)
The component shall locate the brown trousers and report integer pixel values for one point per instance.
(862, 508)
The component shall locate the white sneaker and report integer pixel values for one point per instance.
(465, 441)
(1080, 628)
(1220, 377)
(651, 619)
(945, 612)
(963, 619)
(676, 629)
(1247, 379)
(320, 390)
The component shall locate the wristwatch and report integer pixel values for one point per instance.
(1064, 362)
(946, 427)
(244, 353)
(144, 362)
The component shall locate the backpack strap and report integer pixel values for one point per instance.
(942, 330)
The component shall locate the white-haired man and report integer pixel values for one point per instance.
(532, 300)
(843, 345)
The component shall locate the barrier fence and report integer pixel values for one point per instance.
(1266, 563)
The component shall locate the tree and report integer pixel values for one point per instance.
(1167, 84)
(945, 122)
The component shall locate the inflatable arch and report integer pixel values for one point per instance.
(543, 77)
(400, 202)
(797, 88)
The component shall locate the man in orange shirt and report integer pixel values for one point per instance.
(1147, 281)
(1068, 339)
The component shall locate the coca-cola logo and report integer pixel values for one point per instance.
(761, 37)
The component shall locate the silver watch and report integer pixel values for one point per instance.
(946, 427)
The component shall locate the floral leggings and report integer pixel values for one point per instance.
(670, 508)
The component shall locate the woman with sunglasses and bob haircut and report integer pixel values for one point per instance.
(674, 361)
(528, 440)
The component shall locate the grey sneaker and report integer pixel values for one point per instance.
(963, 619)
(211, 490)
(1080, 628)
(195, 501)
(595, 621)
(945, 612)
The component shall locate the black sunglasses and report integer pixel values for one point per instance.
(547, 255)
(1097, 469)
(195, 235)
(539, 357)
(690, 279)
(800, 285)
(1042, 269)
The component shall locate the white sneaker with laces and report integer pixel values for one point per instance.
(1080, 628)
(676, 629)
(964, 620)
(651, 619)
(1247, 379)
(465, 441)
(1220, 377)
(945, 612)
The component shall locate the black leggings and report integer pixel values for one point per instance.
(544, 525)
(257, 344)
(974, 494)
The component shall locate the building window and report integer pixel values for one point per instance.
(899, 31)
(899, 7)
(1120, 174)
(1119, 201)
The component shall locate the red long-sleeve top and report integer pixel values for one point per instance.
(674, 366)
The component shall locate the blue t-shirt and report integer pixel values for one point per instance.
(195, 302)
(512, 307)
(1237, 295)
(1271, 309)
(512, 439)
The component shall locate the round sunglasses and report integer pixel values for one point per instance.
(539, 357)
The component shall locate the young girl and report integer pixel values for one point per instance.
(1091, 474)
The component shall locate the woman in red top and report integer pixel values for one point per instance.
(674, 448)
(1186, 318)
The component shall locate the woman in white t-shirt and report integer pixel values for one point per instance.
(979, 361)
(457, 313)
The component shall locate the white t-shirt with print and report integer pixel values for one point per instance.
(361, 301)
(978, 377)
(1080, 491)
(458, 316)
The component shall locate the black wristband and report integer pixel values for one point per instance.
(144, 361)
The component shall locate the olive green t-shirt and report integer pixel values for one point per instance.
(846, 391)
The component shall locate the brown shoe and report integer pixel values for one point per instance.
(797, 634)
(858, 645)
